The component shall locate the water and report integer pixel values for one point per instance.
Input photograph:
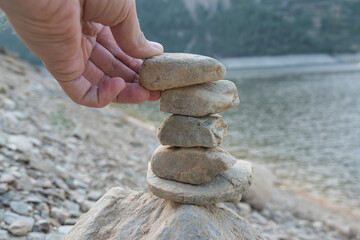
(304, 125)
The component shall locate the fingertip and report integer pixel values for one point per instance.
(144, 50)
(158, 48)
(135, 65)
(154, 96)
(133, 93)
(109, 90)
(118, 84)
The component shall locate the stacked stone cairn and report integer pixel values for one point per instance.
(190, 166)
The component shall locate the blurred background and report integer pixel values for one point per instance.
(296, 66)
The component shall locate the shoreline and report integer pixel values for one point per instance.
(288, 61)
(321, 202)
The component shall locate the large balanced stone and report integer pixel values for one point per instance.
(201, 99)
(172, 70)
(126, 214)
(224, 187)
(185, 131)
(196, 165)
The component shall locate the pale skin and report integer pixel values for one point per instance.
(92, 47)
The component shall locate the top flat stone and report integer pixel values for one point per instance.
(172, 70)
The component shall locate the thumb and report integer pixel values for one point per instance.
(121, 16)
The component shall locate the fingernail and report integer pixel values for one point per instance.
(157, 46)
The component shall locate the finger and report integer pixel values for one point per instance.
(133, 93)
(92, 29)
(110, 65)
(106, 39)
(121, 16)
(155, 95)
(83, 92)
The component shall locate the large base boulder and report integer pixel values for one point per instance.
(125, 214)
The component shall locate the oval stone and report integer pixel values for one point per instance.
(171, 70)
(195, 165)
(186, 131)
(201, 99)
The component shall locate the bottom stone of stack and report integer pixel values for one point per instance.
(126, 214)
(224, 187)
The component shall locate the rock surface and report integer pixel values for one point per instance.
(172, 70)
(125, 214)
(224, 187)
(19, 207)
(195, 165)
(201, 99)
(185, 131)
(261, 190)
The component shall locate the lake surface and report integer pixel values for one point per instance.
(303, 123)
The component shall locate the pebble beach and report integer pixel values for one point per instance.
(58, 158)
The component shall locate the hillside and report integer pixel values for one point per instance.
(247, 28)
(230, 28)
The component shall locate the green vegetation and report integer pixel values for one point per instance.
(246, 28)
(59, 120)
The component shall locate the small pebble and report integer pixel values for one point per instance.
(70, 221)
(59, 214)
(55, 236)
(244, 207)
(64, 229)
(79, 184)
(4, 235)
(20, 208)
(94, 195)
(43, 225)
(43, 183)
(7, 178)
(3, 188)
(20, 227)
(36, 236)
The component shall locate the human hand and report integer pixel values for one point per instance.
(92, 47)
